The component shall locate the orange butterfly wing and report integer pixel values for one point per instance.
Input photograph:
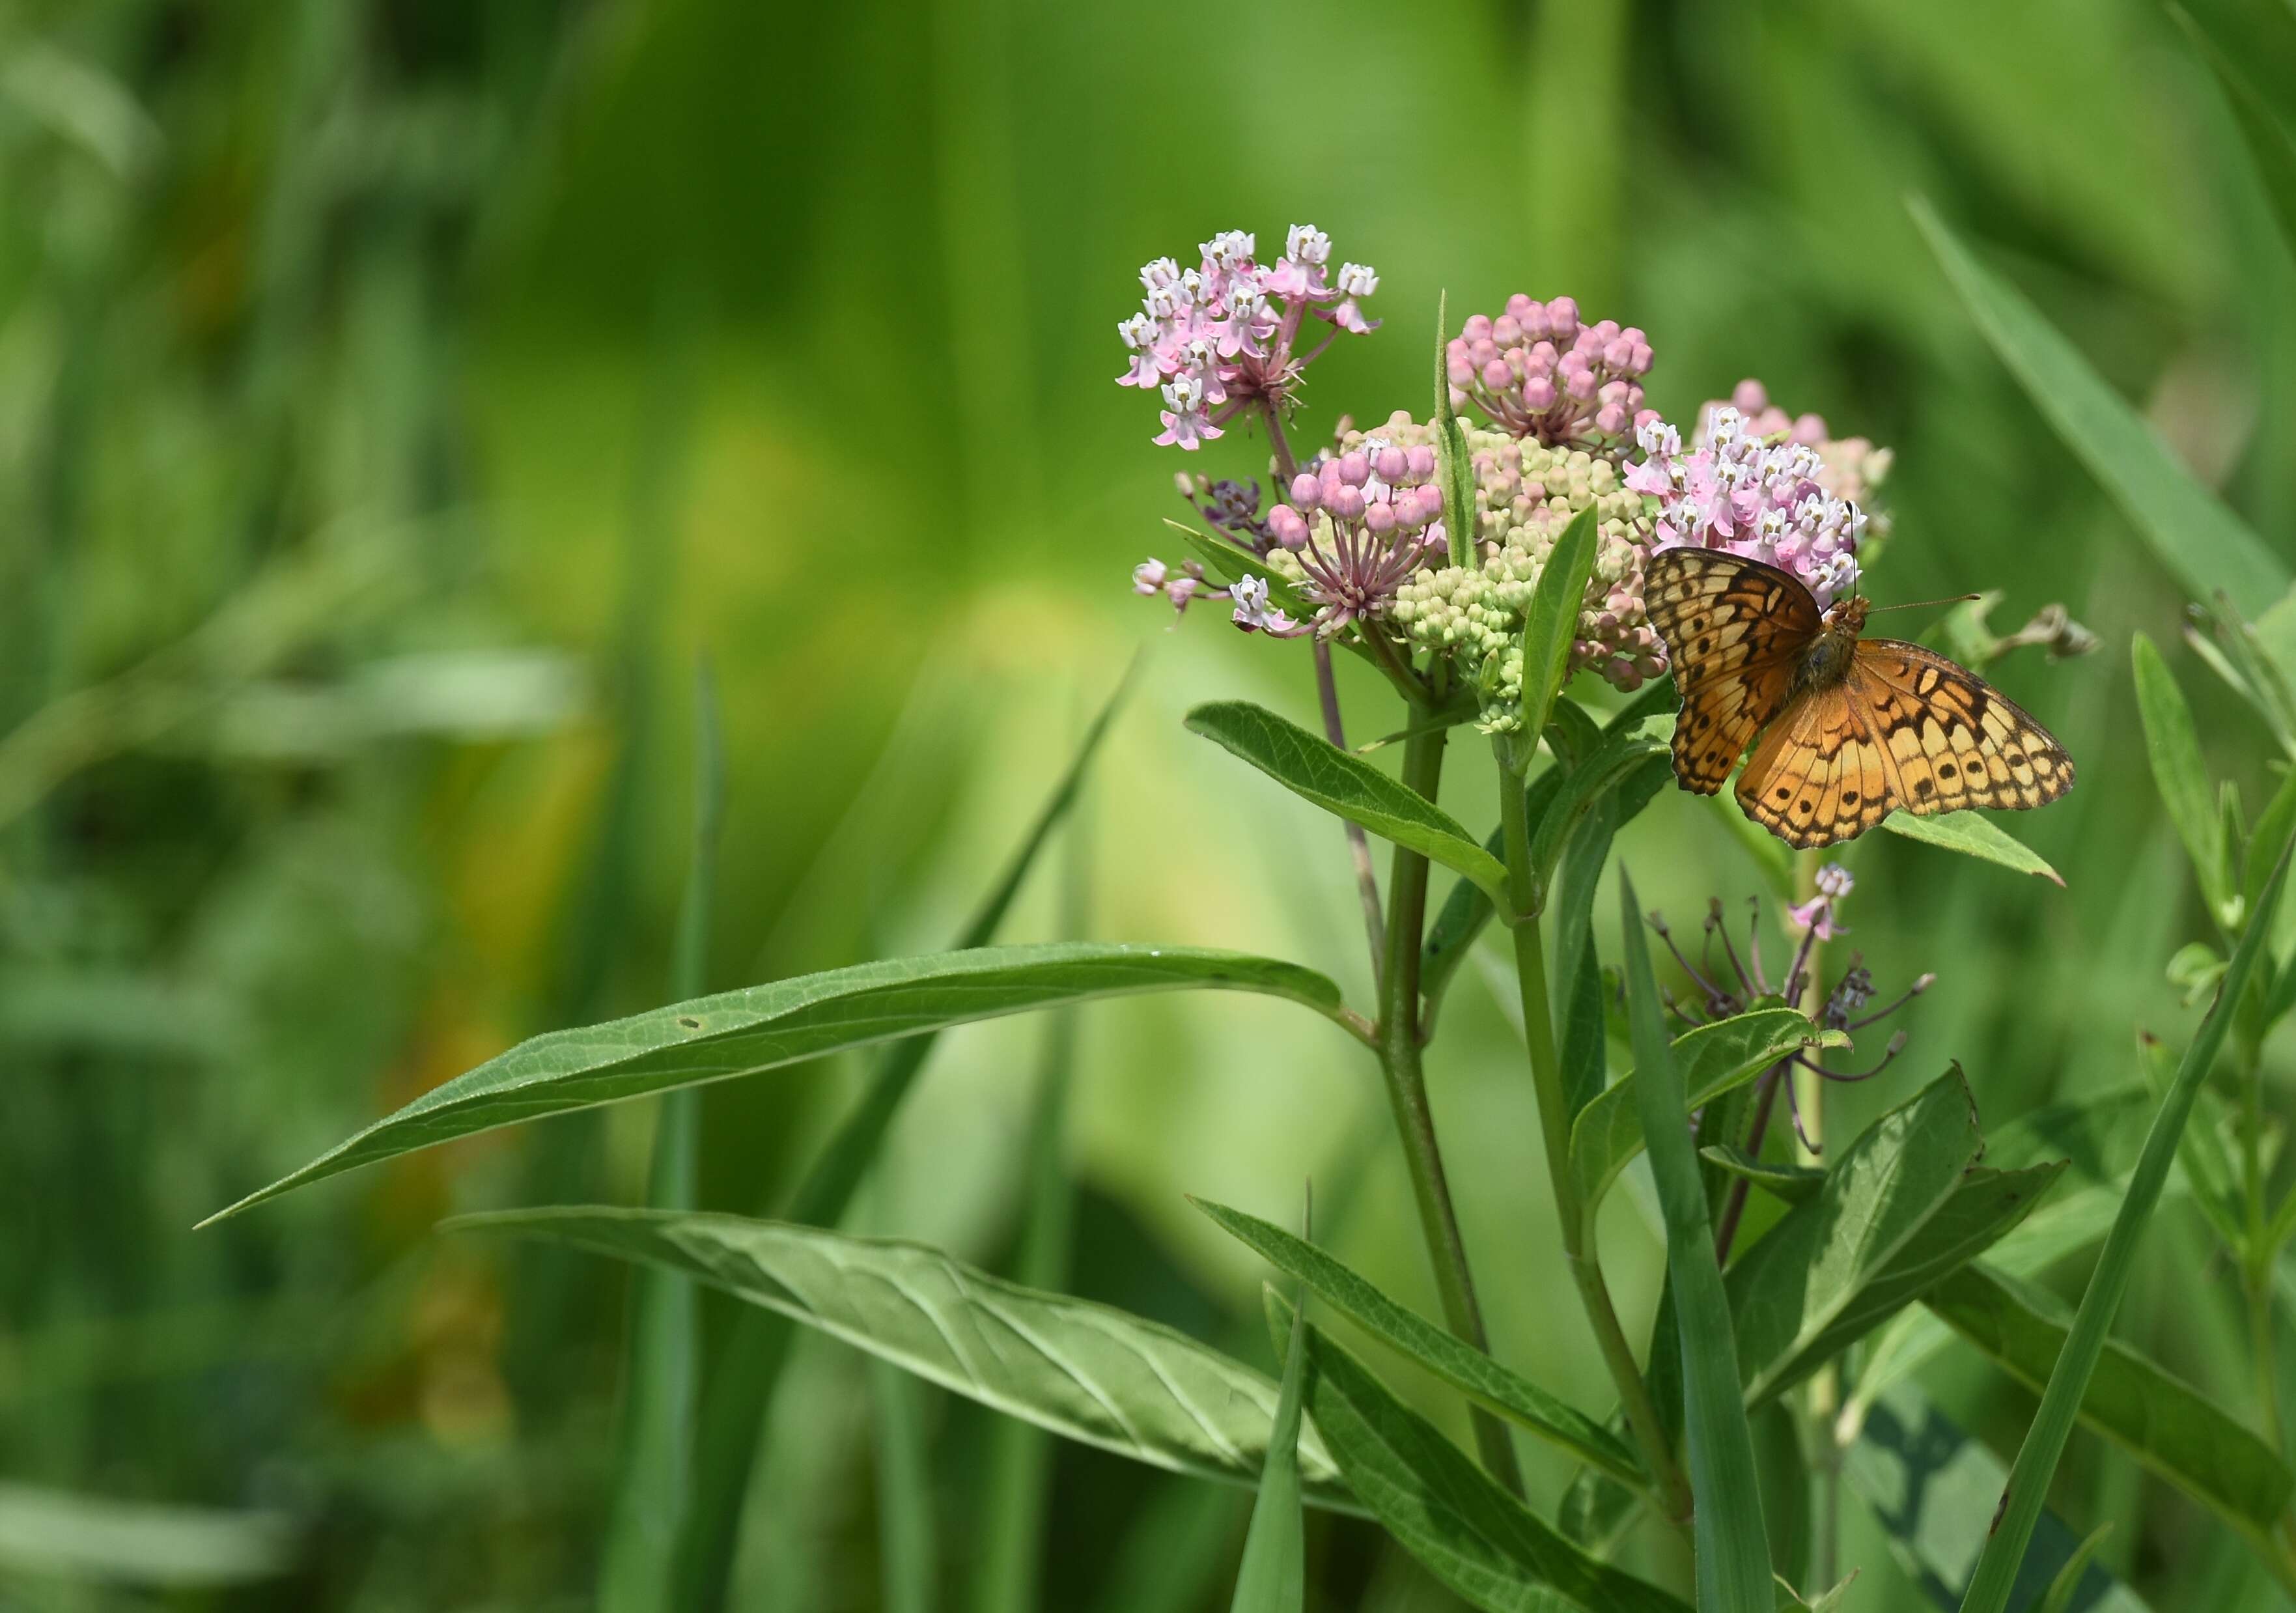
(1822, 772)
(1734, 630)
(1953, 740)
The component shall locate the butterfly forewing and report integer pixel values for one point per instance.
(1735, 629)
(1953, 740)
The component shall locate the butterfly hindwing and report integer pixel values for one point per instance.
(1821, 773)
(1734, 630)
(1953, 740)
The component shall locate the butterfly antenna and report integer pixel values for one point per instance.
(1924, 604)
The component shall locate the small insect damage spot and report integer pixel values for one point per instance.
(689, 1021)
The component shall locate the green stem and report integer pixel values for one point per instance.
(2258, 1266)
(1578, 1244)
(1822, 1407)
(1406, 1091)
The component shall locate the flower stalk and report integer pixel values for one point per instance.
(1400, 1057)
(1578, 1251)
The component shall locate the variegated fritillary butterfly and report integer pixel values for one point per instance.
(1852, 728)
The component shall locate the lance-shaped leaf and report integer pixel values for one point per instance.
(1996, 1577)
(1932, 1489)
(1462, 1366)
(1550, 622)
(2195, 538)
(2173, 745)
(1974, 835)
(1903, 1206)
(2165, 1423)
(1085, 1372)
(1455, 473)
(738, 1033)
(1729, 1532)
(1316, 770)
(1458, 1521)
(1710, 1060)
(1272, 1578)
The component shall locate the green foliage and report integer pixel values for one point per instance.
(1310, 767)
(1905, 1204)
(1971, 836)
(1084, 1371)
(1733, 1564)
(1709, 1060)
(2195, 539)
(1462, 1366)
(759, 1027)
(1550, 624)
(1272, 1576)
(1991, 1587)
(1461, 1523)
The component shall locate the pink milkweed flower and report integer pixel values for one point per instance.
(1254, 614)
(1539, 372)
(1231, 327)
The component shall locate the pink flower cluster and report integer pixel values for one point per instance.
(1817, 916)
(1536, 372)
(1764, 499)
(1360, 525)
(1223, 336)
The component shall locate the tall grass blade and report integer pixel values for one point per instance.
(2194, 536)
(1011, 1534)
(1550, 624)
(637, 1568)
(1731, 1539)
(1273, 1576)
(2061, 1402)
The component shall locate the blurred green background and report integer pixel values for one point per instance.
(396, 396)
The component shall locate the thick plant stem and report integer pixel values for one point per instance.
(1407, 1090)
(1578, 1251)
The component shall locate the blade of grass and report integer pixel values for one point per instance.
(1732, 1542)
(1010, 1537)
(2195, 538)
(1273, 1576)
(907, 1534)
(637, 1568)
(2061, 1402)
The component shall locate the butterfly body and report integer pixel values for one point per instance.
(1850, 728)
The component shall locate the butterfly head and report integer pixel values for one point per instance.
(1847, 616)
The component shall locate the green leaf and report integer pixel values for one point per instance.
(2167, 1425)
(2061, 1401)
(1903, 1205)
(637, 1564)
(740, 1391)
(1629, 766)
(1317, 771)
(2275, 831)
(2270, 140)
(1087, 1373)
(738, 1033)
(1550, 622)
(1728, 1534)
(1790, 1183)
(2098, 1138)
(2174, 746)
(1972, 835)
(1463, 1367)
(1709, 1060)
(2201, 1153)
(1458, 1521)
(2195, 538)
(2067, 1582)
(1933, 1489)
(1273, 1576)
(907, 1530)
